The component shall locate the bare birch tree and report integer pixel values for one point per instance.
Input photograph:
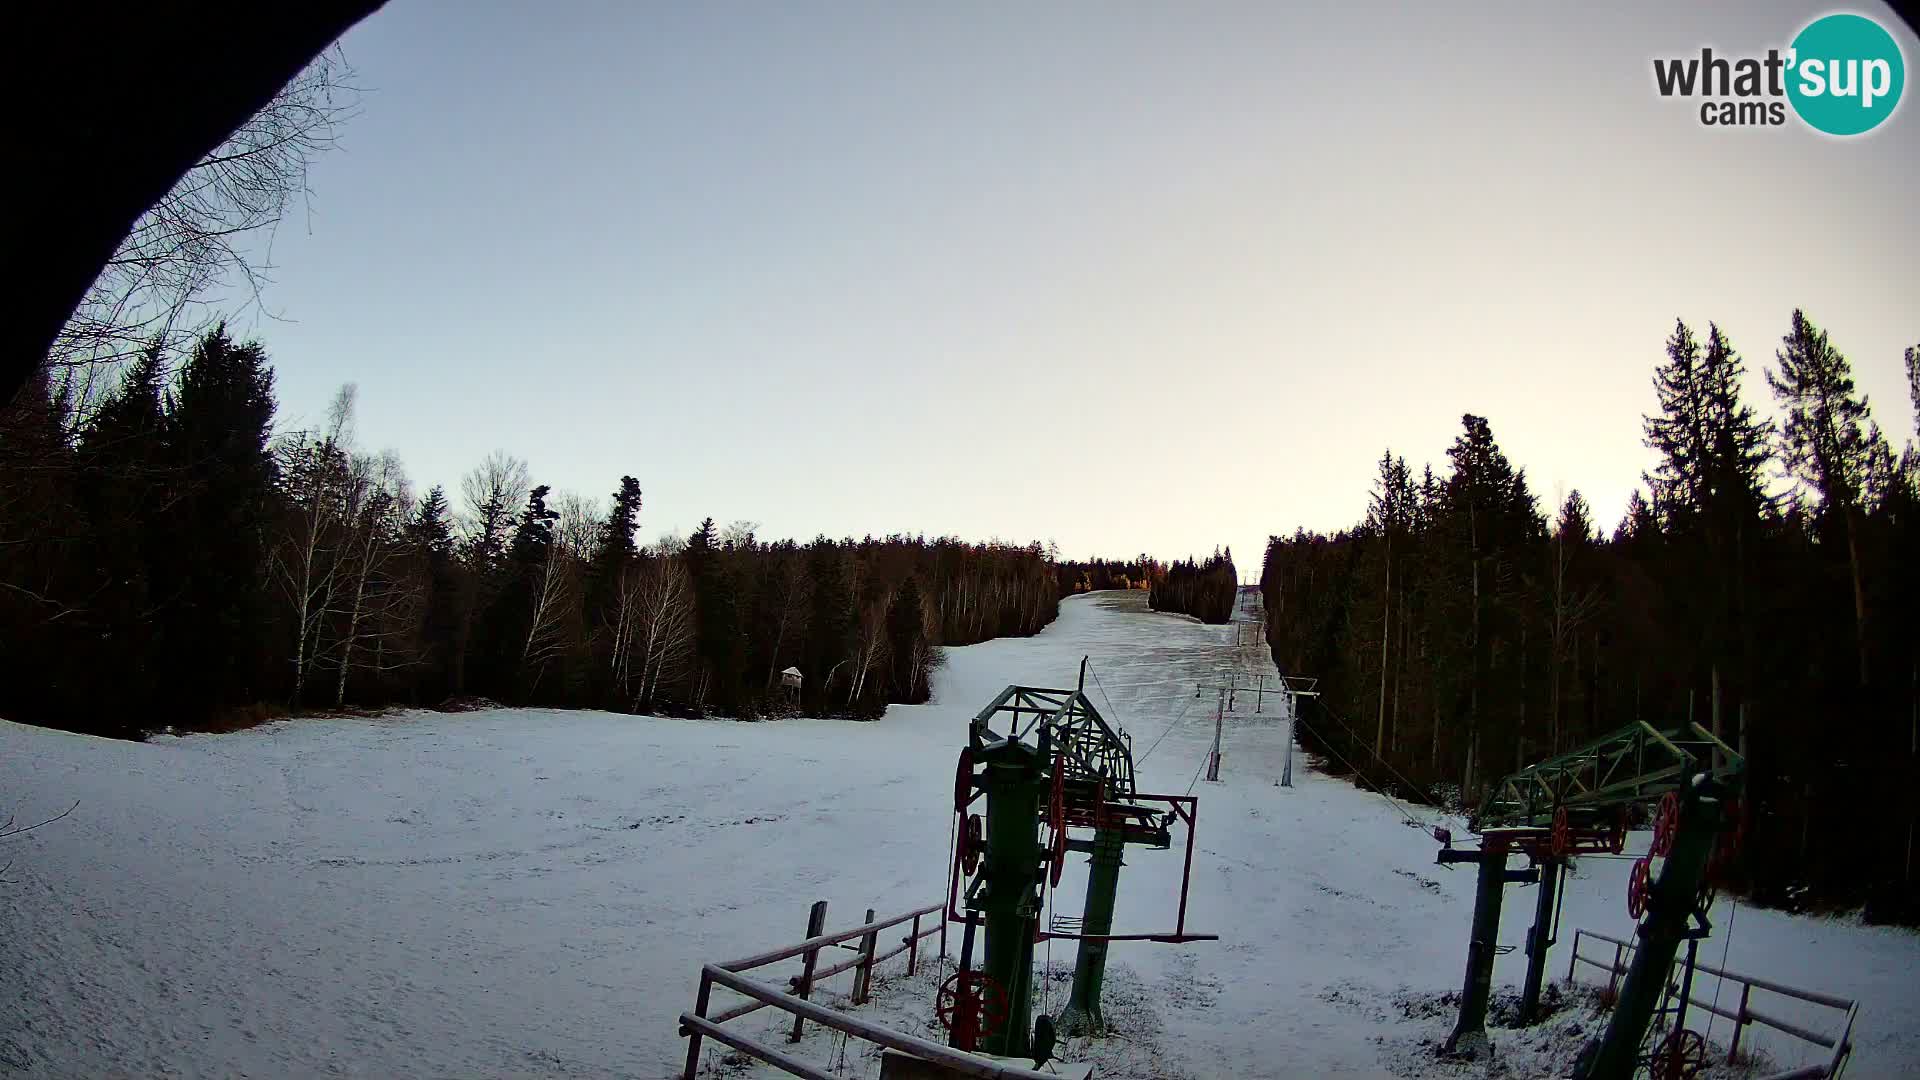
(578, 529)
(494, 492)
(314, 474)
(869, 645)
(374, 591)
(555, 610)
(663, 634)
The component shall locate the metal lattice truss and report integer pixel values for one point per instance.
(1095, 754)
(1633, 764)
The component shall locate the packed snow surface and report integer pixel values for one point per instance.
(521, 892)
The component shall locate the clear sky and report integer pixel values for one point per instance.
(1125, 276)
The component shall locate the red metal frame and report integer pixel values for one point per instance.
(1187, 809)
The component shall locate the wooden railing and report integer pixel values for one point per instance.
(794, 998)
(1743, 1013)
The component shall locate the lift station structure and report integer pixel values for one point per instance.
(1055, 777)
(1581, 802)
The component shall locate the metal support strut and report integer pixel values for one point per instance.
(1539, 939)
(1470, 1031)
(1082, 1015)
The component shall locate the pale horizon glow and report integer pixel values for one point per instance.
(1128, 278)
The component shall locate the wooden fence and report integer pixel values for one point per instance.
(1743, 1013)
(794, 998)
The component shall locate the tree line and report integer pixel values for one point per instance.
(168, 560)
(1762, 582)
(1205, 589)
(1094, 575)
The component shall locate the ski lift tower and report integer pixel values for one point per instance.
(1057, 763)
(1579, 802)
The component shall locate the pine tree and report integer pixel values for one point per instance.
(719, 632)
(1827, 444)
(609, 591)
(211, 552)
(430, 534)
(1709, 490)
(829, 622)
(126, 491)
(1489, 513)
(1912, 359)
(1389, 514)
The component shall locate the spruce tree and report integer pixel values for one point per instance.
(430, 534)
(716, 602)
(829, 622)
(125, 487)
(210, 550)
(1827, 444)
(1912, 359)
(614, 554)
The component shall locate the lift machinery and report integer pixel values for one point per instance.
(1055, 777)
(1582, 802)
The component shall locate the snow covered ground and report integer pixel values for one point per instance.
(531, 893)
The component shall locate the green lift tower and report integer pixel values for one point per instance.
(1580, 802)
(1055, 765)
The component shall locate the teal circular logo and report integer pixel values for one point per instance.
(1845, 74)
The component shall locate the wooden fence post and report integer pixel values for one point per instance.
(863, 971)
(1740, 1022)
(913, 946)
(699, 1009)
(816, 925)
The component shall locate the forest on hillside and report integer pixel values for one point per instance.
(1762, 583)
(1206, 589)
(167, 559)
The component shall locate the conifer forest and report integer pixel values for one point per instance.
(1762, 582)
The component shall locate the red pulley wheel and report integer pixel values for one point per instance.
(1637, 888)
(1057, 859)
(971, 1005)
(971, 843)
(963, 781)
(1057, 799)
(1680, 1056)
(1666, 824)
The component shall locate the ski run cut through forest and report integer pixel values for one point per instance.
(529, 892)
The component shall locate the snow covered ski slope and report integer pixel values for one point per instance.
(530, 893)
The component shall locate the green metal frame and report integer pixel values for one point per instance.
(1633, 764)
(1630, 765)
(1044, 726)
(1093, 749)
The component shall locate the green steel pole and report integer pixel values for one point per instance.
(1470, 1031)
(1082, 1015)
(1670, 903)
(1539, 940)
(1014, 779)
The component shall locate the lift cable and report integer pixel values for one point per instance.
(1198, 771)
(1725, 947)
(1103, 691)
(1405, 814)
(1415, 788)
(1174, 723)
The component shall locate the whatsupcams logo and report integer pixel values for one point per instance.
(1842, 75)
